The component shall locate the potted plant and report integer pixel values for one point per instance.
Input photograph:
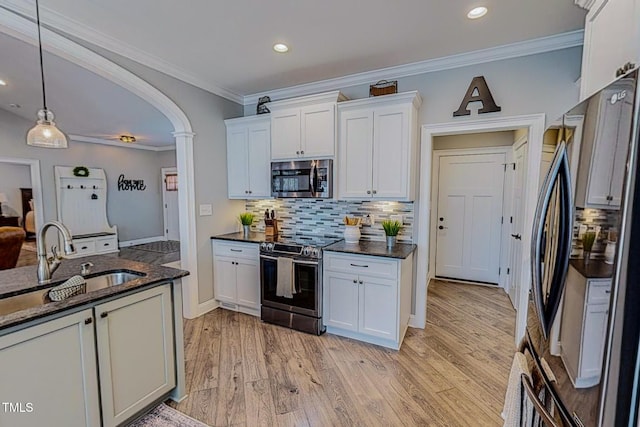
(588, 239)
(391, 229)
(246, 218)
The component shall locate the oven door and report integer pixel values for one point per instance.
(307, 280)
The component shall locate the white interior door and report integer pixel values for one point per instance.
(520, 160)
(170, 203)
(468, 234)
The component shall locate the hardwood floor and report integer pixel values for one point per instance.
(242, 372)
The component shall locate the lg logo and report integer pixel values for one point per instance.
(618, 96)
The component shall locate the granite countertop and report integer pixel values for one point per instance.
(22, 280)
(373, 248)
(253, 237)
(595, 269)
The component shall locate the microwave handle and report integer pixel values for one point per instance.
(312, 178)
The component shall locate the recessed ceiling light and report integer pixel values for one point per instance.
(3, 83)
(477, 12)
(128, 139)
(281, 48)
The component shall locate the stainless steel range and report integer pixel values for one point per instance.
(291, 282)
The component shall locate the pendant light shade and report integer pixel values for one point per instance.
(45, 133)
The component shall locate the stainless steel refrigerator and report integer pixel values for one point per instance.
(584, 307)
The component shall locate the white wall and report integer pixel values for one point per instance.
(137, 214)
(12, 179)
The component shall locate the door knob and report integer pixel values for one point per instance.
(440, 228)
(441, 219)
(368, 191)
(516, 236)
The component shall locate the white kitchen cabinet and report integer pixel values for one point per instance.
(136, 359)
(304, 128)
(604, 149)
(585, 314)
(611, 40)
(367, 298)
(51, 367)
(236, 276)
(378, 146)
(248, 157)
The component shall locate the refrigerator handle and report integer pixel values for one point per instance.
(559, 173)
(537, 405)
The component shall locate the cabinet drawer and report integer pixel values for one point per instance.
(237, 250)
(84, 247)
(362, 265)
(106, 244)
(599, 292)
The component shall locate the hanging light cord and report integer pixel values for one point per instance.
(44, 95)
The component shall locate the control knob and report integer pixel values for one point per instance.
(269, 247)
(315, 253)
(263, 246)
(306, 251)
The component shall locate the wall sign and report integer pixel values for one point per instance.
(130, 184)
(478, 85)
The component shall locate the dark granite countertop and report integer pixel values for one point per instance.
(595, 269)
(22, 280)
(373, 248)
(253, 237)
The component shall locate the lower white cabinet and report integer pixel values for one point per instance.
(583, 329)
(49, 374)
(367, 298)
(236, 276)
(135, 352)
(95, 245)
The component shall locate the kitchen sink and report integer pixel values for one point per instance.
(41, 296)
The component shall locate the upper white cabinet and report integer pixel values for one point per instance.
(604, 150)
(304, 128)
(611, 40)
(248, 157)
(377, 147)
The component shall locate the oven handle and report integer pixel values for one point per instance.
(312, 173)
(295, 261)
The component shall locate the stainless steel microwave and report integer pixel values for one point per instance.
(302, 179)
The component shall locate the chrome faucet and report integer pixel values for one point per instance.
(47, 266)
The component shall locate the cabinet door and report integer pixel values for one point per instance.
(391, 153)
(611, 40)
(594, 332)
(341, 300)
(621, 152)
(51, 367)
(318, 131)
(224, 279)
(378, 307)
(285, 134)
(136, 357)
(248, 283)
(237, 163)
(356, 157)
(259, 153)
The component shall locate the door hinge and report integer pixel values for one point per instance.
(505, 167)
(514, 166)
(501, 220)
(499, 270)
(511, 220)
(508, 270)
(165, 206)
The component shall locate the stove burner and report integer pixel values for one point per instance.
(298, 245)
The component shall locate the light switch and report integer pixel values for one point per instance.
(206, 210)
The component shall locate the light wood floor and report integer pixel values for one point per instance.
(453, 373)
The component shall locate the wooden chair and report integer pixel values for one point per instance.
(11, 239)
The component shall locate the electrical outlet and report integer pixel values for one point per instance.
(206, 210)
(398, 218)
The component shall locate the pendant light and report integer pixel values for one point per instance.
(45, 133)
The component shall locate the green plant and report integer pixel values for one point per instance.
(246, 218)
(587, 240)
(391, 228)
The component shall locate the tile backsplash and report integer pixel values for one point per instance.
(592, 218)
(325, 217)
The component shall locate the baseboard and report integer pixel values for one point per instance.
(413, 322)
(205, 307)
(127, 243)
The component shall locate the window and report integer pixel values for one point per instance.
(171, 182)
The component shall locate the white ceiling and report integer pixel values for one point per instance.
(226, 45)
(84, 103)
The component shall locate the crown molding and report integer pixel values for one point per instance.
(514, 50)
(585, 4)
(56, 21)
(136, 146)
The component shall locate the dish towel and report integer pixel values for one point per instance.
(285, 283)
(513, 399)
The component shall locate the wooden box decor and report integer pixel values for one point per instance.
(383, 87)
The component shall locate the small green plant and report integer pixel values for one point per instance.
(391, 228)
(587, 240)
(246, 218)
